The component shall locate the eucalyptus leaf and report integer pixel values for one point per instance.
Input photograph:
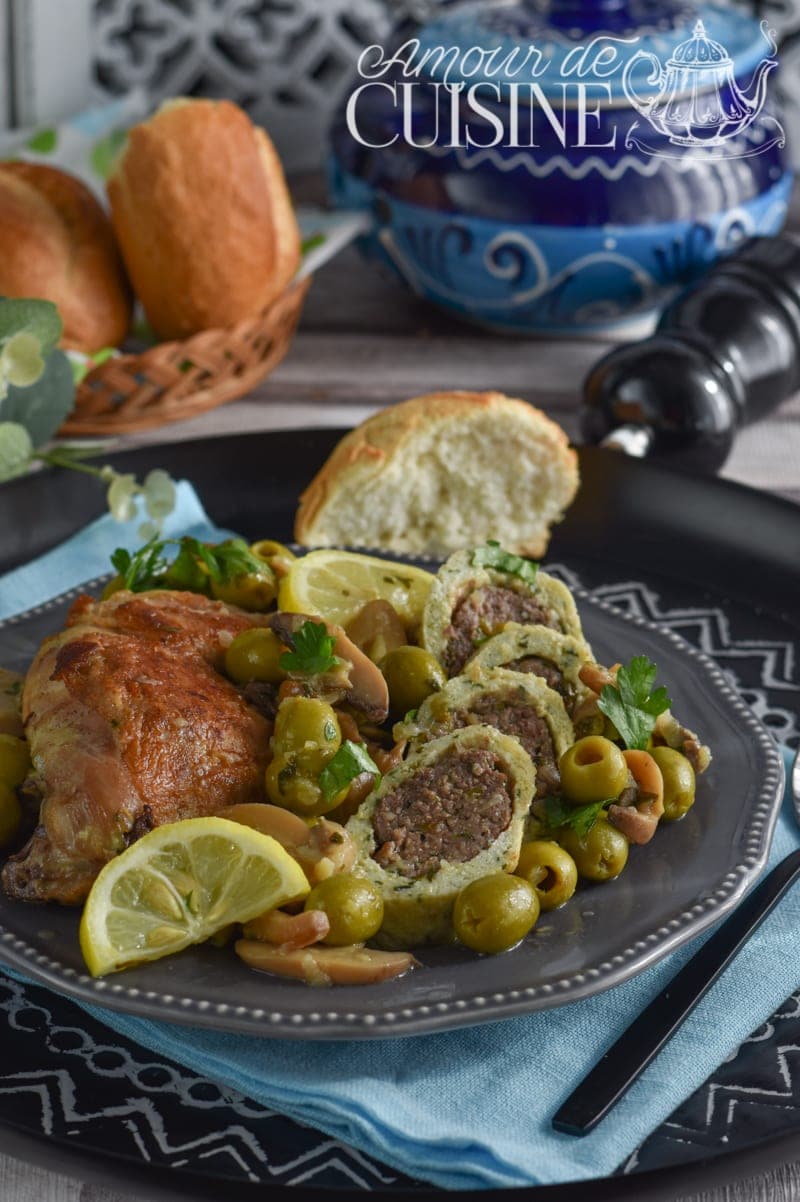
(37, 317)
(42, 407)
(105, 153)
(44, 141)
(16, 449)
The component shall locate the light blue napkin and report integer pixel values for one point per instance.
(471, 1109)
(87, 554)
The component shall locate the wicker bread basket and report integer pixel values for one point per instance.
(173, 381)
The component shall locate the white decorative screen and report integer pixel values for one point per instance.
(286, 61)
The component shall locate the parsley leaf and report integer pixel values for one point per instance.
(631, 705)
(144, 569)
(187, 570)
(233, 559)
(312, 651)
(349, 762)
(493, 556)
(581, 819)
(193, 568)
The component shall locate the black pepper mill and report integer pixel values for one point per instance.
(726, 351)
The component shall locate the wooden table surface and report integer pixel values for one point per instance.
(365, 343)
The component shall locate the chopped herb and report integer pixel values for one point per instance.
(581, 819)
(285, 775)
(234, 558)
(311, 243)
(349, 762)
(193, 568)
(312, 651)
(144, 569)
(631, 705)
(187, 570)
(493, 556)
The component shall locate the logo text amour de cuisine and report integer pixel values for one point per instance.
(517, 98)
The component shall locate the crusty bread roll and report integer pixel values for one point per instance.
(203, 216)
(57, 244)
(441, 472)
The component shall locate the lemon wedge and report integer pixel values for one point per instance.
(335, 585)
(178, 885)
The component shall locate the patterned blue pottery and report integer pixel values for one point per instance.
(561, 167)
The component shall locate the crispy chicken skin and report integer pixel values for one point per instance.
(132, 725)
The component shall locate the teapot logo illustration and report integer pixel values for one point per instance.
(696, 101)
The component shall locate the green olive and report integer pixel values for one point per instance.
(679, 782)
(114, 585)
(354, 907)
(307, 729)
(268, 548)
(550, 870)
(288, 786)
(255, 655)
(10, 814)
(411, 674)
(278, 556)
(593, 769)
(15, 760)
(495, 912)
(290, 783)
(599, 855)
(254, 591)
(307, 735)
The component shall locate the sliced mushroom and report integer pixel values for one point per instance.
(329, 849)
(290, 932)
(321, 849)
(361, 682)
(669, 731)
(326, 965)
(377, 629)
(638, 821)
(596, 677)
(289, 829)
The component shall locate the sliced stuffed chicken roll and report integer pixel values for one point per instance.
(451, 814)
(515, 704)
(473, 599)
(537, 651)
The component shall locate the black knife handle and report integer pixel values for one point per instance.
(627, 1059)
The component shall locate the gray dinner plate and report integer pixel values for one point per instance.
(692, 874)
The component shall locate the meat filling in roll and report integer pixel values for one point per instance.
(485, 611)
(450, 810)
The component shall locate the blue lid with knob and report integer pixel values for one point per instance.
(553, 42)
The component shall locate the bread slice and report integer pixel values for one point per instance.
(441, 472)
(56, 243)
(203, 216)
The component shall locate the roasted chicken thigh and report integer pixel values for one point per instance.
(131, 724)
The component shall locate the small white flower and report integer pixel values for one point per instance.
(148, 530)
(121, 497)
(159, 494)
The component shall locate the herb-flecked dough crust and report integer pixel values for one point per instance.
(420, 911)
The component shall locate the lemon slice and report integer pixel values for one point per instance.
(336, 584)
(179, 884)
